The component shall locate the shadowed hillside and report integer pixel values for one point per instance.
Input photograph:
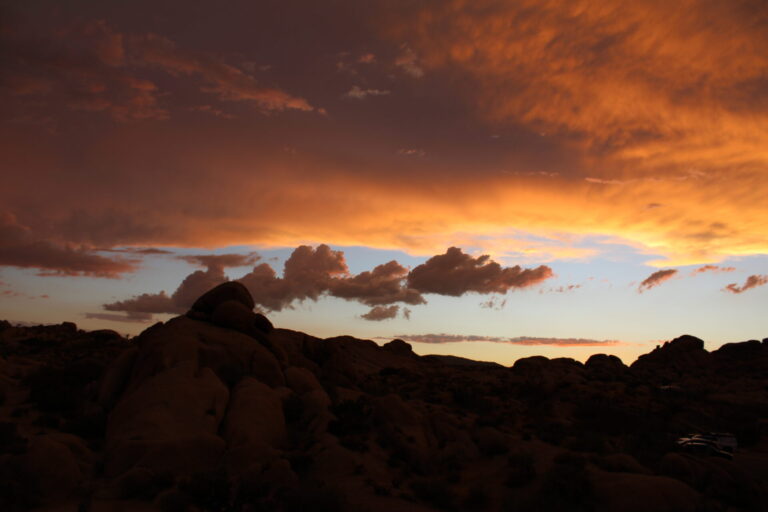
(216, 410)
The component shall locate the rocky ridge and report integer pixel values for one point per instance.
(218, 410)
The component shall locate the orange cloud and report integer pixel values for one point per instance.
(656, 279)
(713, 268)
(643, 123)
(224, 80)
(752, 281)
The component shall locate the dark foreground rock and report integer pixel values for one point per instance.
(217, 410)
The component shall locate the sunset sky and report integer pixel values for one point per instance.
(490, 179)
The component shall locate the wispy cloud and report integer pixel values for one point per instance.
(712, 269)
(656, 279)
(358, 93)
(519, 340)
(752, 281)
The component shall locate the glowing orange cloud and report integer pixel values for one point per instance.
(643, 123)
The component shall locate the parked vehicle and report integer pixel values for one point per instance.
(708, 444)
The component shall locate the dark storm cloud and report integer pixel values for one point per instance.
(456, 273)
(80, 67)
(89, 66)
(752, 281)
(228, 82)
(19, 247)
(656, 279)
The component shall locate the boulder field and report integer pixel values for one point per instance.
(217, 410)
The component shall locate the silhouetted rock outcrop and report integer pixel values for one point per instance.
(683, 355)
(217, 410)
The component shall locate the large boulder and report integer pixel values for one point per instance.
(168, 422)
(51, 467)
(254, 427)
(231, 290)
(683, 356)
(399, 347)
(631, 492)
(606, 367)
(232, 314)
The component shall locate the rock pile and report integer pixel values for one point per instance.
(218, 410)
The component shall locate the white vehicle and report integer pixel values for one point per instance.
(722, 441)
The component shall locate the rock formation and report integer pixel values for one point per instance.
(218, 410)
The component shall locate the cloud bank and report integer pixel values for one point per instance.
(310, 273)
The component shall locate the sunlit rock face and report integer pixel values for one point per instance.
(217, 409)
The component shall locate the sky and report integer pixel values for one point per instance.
(490, 179)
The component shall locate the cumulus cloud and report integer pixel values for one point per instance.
(656, 279)
(307, 274)
(20, 247)
(358, 93)
(752, 281)
(520, 340)
(456, 273)
(382, 285)
(378, 313)
(310, 273)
